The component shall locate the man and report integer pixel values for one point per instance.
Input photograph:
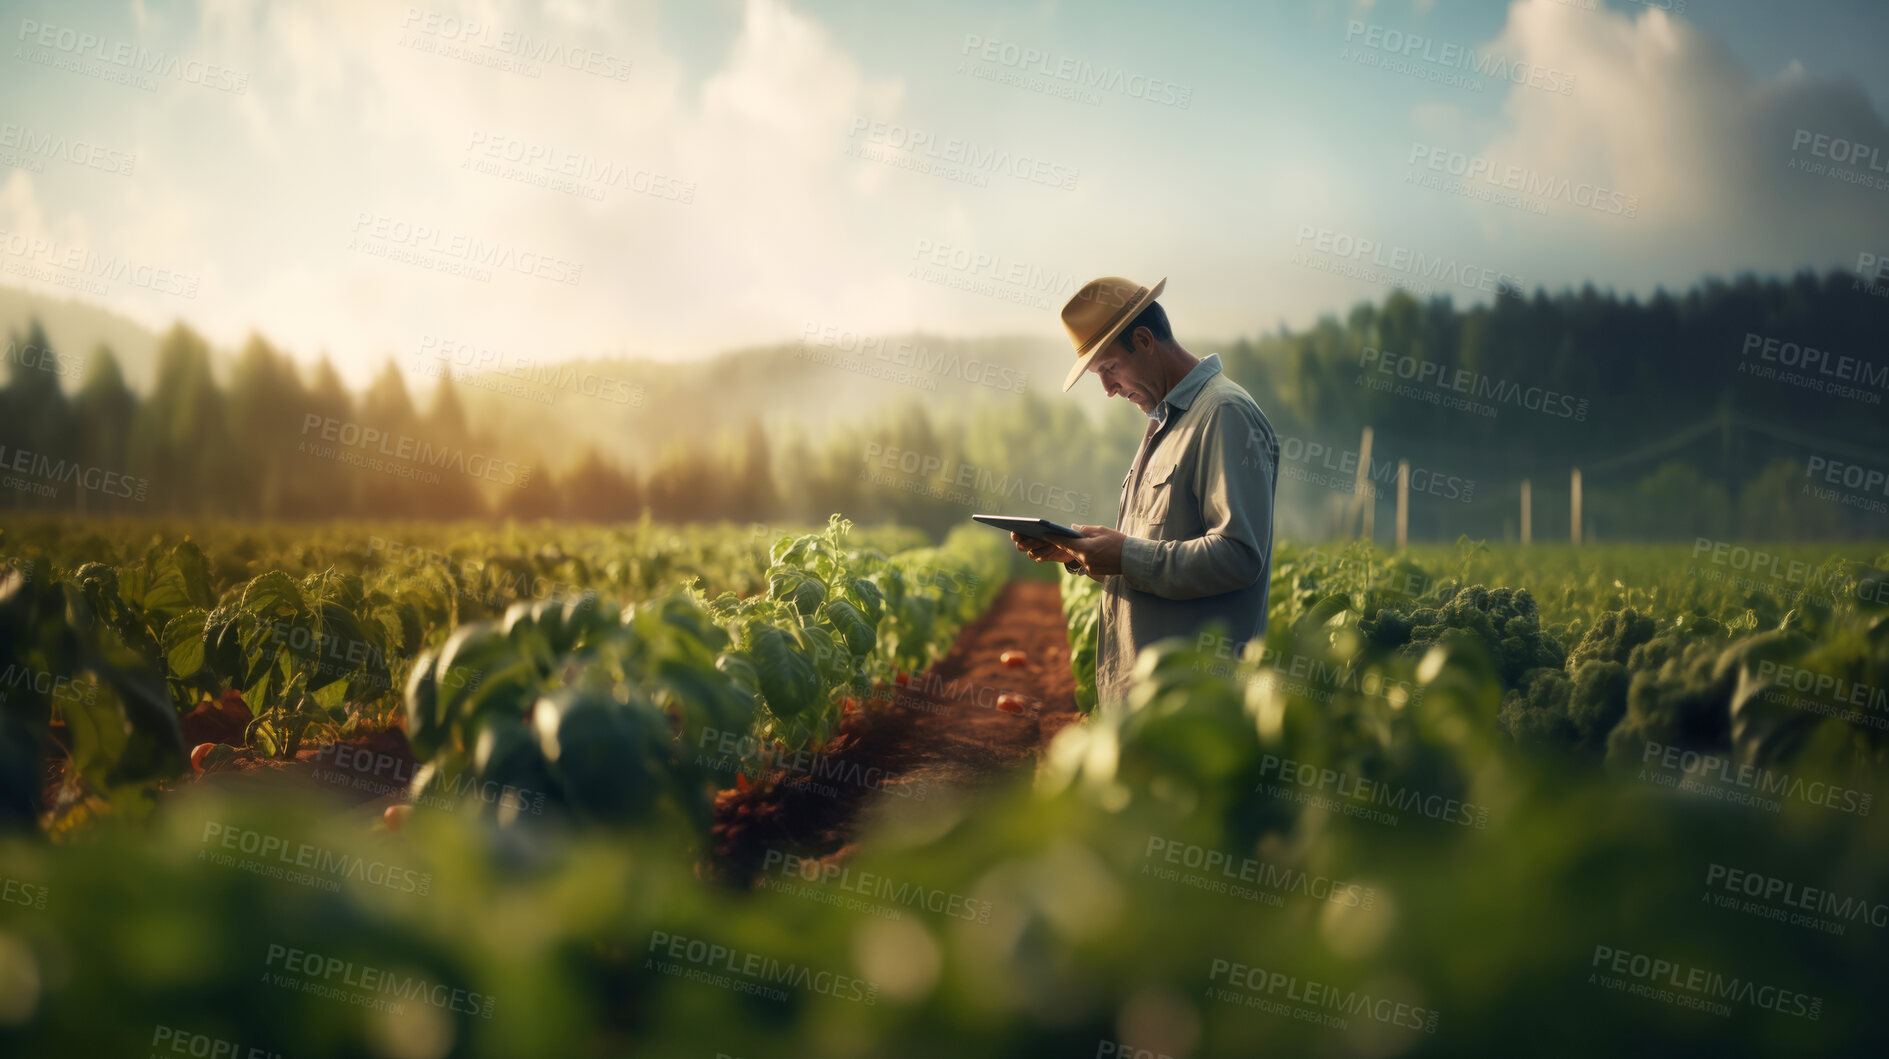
(1193, 542)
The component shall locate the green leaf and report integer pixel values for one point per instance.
(505, 692)
(272, 594)
(99, 732)
(866, 596)
(264, 670)
(183, 643)
(789, 683)
(792, 550)
(1322, 612)
(859, 634)
(796, 586)
(604, 753)
(424, 728)
(831, 659)
(680, 613)
(265, 737)
(401, 621)
(345, 647)
(155, 744)
(740, 669)
(705, 696)
(178, 582)
(194, 573)
(223, 642)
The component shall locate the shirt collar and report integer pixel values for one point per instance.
(1183, 392)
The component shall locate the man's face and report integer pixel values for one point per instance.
(1127, 374)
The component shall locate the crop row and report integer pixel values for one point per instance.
(102, 660)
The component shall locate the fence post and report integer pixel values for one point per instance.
(1403, 503)
(1574, 502)
(1528, 513)
(1361, 485)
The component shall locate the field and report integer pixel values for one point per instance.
(757, 790)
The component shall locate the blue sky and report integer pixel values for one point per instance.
(363, 178)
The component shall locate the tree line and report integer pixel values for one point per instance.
(1695, 414)
(1702, 413)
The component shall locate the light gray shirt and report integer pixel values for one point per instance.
(1199, 524)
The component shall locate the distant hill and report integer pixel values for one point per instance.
(77, 328)
(636, 407)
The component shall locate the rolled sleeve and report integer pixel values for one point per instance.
(1235, 491)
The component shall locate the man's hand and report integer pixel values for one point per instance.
(1041, 550)
(1099, 549)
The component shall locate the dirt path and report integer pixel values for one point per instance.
(943, 728)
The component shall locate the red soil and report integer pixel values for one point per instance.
(943, 728)
(370, 766)
(366, 767)
(222, 721)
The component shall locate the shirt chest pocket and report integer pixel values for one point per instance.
(1158, 496)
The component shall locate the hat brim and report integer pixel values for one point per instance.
(1082, 362)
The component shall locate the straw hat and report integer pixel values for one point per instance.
(1098, 312)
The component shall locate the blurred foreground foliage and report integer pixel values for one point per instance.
(1427, 809)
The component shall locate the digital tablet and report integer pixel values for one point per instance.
(1040, 528)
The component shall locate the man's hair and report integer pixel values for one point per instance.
(1154, 318)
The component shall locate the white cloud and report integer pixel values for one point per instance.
(26, 220)
(1661, 111)
(353, 107)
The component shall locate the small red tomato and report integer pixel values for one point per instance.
(903, 677)
(1010, 702)
(395, 815)
(196, 756)
(1014, 658)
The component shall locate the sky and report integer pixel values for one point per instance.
(573, 178)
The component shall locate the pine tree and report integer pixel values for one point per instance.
(318, 485)
(386, 407)
(265, 408)
(600, 492)
(456, 495)
(180, 439)
(35, 417)
(106, 408)
(753, 492)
